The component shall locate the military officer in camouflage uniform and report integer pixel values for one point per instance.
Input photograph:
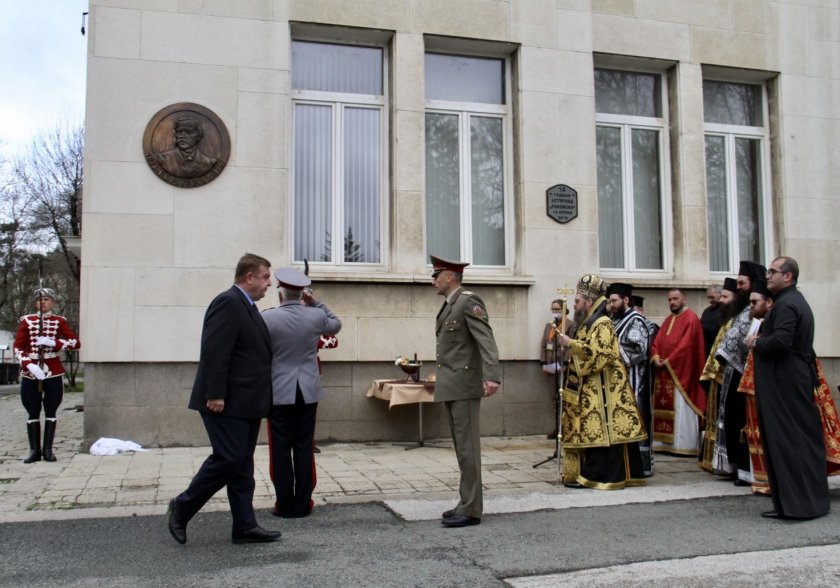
(467, 370)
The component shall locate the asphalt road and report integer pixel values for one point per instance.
(367, 545)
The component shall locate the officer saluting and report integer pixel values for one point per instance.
(467, 370)
(296, 326)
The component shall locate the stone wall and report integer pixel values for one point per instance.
(147, 403)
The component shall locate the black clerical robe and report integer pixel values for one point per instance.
(791, 432)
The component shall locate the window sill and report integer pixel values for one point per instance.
(425, 279)
(661, 283)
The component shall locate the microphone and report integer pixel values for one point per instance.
(557, 321)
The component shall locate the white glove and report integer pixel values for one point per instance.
(36, 371)
(45, 341)
(550, 368)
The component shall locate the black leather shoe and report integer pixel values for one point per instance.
(460, 521)
(575, 485)
(177, 529)
(255, 535)
(772, 514)
(740, 482)
(448, 513)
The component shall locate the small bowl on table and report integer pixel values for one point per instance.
(411, 370)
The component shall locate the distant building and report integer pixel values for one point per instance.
(367, 135)
(7, 343)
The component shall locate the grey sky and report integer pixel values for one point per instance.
(42, 68)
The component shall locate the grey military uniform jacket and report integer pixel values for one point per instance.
(466, 350)
(295, 329)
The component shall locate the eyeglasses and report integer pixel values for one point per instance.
(773, 271)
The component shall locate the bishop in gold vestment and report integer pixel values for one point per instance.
(601, 421)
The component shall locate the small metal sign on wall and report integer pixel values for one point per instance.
(561, 203)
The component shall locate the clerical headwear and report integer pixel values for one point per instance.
(623, 290)
(291, 279)
(591, 286)
(730, 284)
(638, 301)
(44, 293)
(752, 270)
(444, 265)
(760, 287)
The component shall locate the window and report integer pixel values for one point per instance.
(631, 161)
(339, 152)
(736, 171)
(466, 155)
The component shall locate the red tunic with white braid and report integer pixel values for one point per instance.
(27, 352)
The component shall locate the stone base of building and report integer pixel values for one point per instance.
(147, 403)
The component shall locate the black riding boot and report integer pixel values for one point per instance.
(33, 429)
(49, 436)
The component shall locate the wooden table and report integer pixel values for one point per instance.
(398, 392)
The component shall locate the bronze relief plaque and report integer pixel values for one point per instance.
(186, 145)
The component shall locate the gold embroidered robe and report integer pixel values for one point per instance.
(712, 373)
(599, 406)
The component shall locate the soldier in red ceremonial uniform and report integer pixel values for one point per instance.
(40, 339)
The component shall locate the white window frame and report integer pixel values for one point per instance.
(338, 102)
(465, 111)
(730, 133)
(628, 123)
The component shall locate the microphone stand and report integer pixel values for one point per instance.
(560, 364)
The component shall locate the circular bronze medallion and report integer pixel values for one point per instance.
(186, 145)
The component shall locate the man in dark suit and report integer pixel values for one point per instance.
(295, 327)
(232, 391)
(467, 370)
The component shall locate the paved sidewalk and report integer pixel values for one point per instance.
(414, 483)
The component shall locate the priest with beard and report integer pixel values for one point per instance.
(634, 344)
(601, 424)
(732, 355)
(713, 454)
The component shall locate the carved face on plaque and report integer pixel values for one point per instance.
(186, 145)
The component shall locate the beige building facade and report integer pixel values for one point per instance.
(694, 132)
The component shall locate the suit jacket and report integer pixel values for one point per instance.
(235, 362)
(295, 331)
(466, 350)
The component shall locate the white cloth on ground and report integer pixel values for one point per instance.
(108, 446)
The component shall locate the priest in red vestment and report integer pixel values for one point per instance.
(677, 355)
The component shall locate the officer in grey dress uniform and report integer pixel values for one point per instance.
(295, 328)
(467, 370)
